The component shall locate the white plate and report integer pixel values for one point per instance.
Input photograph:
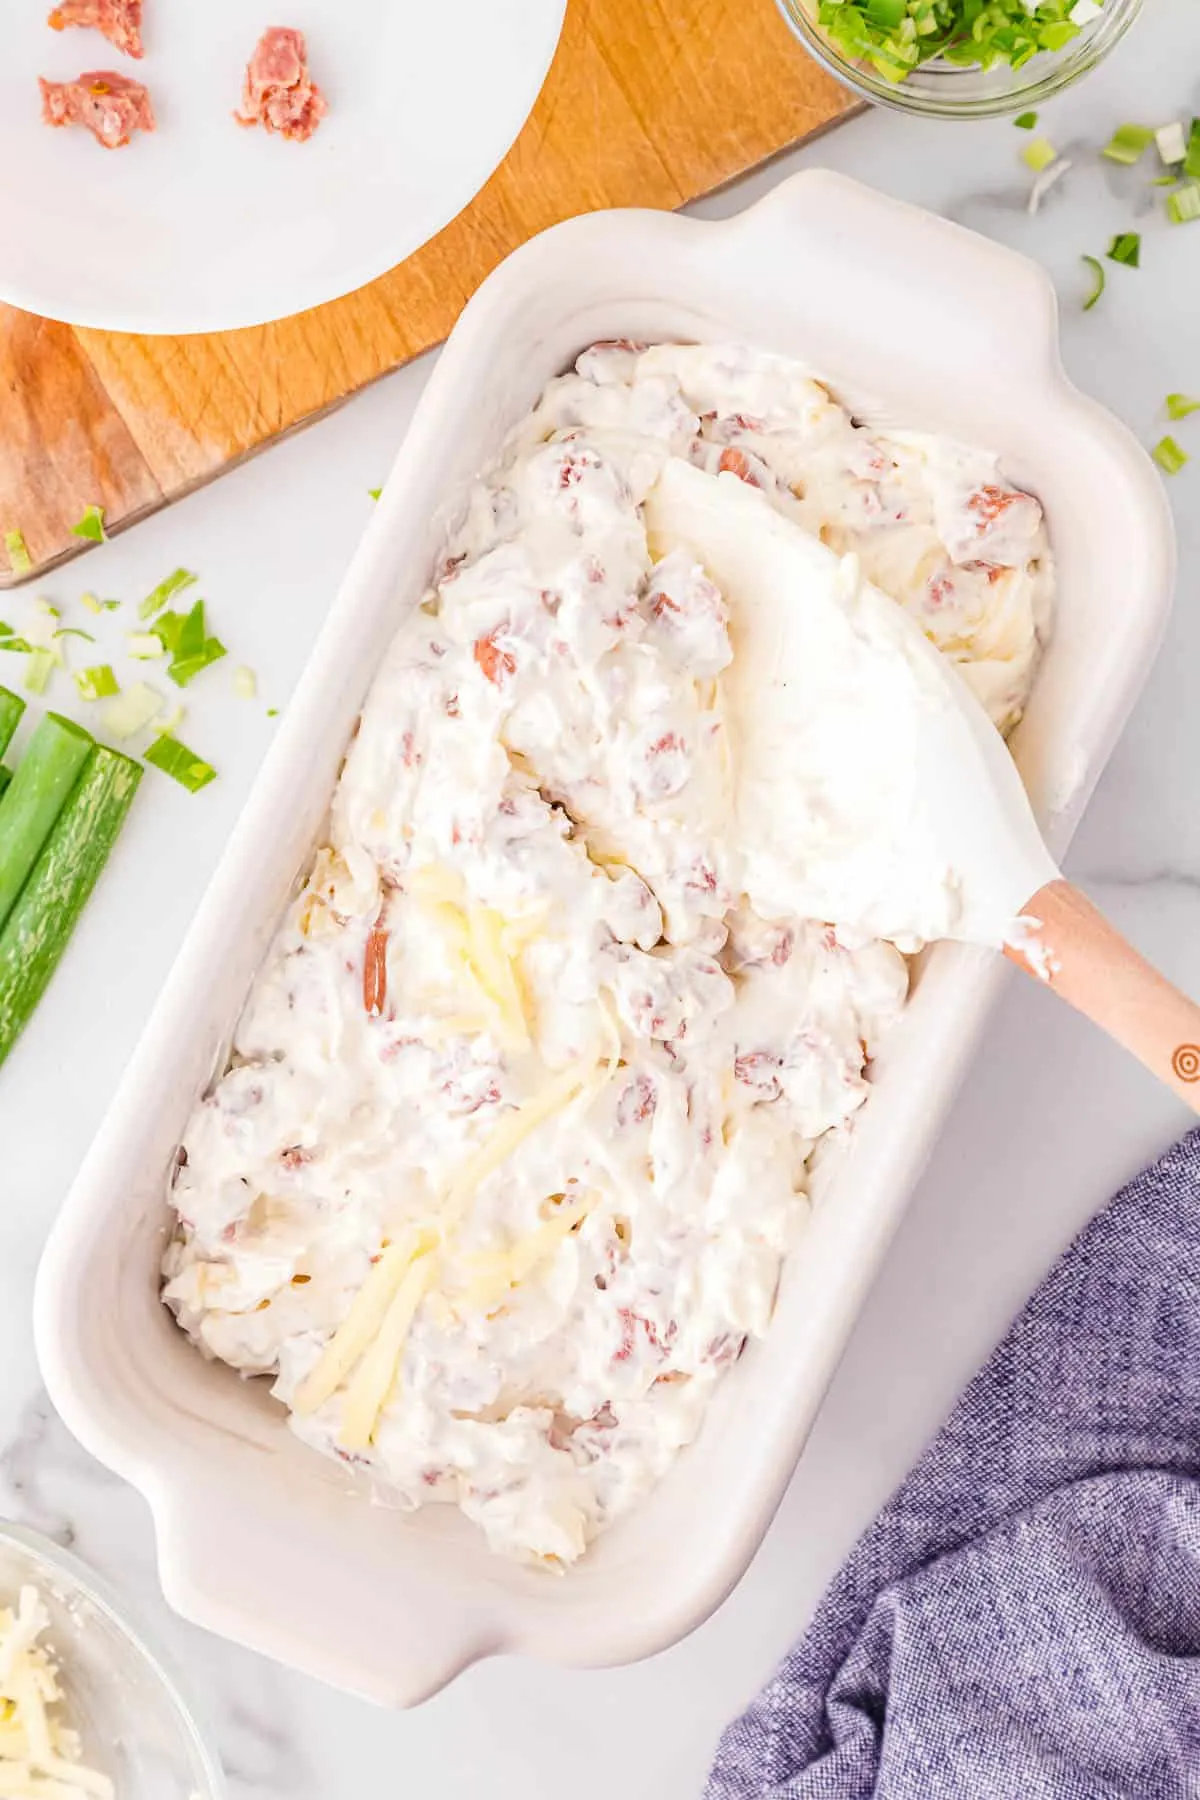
(204, 226)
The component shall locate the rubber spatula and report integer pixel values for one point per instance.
(870, 787)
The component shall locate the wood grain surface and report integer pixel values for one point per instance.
(648, 103)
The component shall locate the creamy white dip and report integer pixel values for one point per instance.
(515, 1133)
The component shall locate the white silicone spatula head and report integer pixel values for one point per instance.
(871, 789)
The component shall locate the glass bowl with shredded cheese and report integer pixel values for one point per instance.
(88, 1708)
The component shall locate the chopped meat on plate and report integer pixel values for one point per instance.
(120, 21)
(278, 92)
(111, 106)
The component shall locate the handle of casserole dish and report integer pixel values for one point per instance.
(394, 1633)
(835, 226)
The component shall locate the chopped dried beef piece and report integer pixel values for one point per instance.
(111, 106)
(278, 92)
(120, 21)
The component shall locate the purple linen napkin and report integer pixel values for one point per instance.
(1022, 1621)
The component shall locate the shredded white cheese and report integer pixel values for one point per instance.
(38, 1754)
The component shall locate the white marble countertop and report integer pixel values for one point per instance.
(1050, 1120)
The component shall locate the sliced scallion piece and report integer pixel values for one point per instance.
(40, 924)
(1126, 249)
(172, 584)
(66, 631)
(1169, 456)
(95, 605)
(97, 683)
(1026, 121)
(1099, 281)
(38, 670)
(1172, 143)
(91, 526)
(1038, 155)
(131, 711)
(1183, 206)
(1191, 161)
(144, 646)
(1179, 406)
(180, 763)
(1127, 144)
(374, 492)
(19, 559)
(45, 776)
(11, 708)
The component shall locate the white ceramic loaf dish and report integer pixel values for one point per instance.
(911, 319)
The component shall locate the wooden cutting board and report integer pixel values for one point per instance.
(648, 103)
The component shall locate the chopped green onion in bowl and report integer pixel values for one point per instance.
(965, 59)
(897, 35)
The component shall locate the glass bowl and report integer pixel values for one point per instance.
(944, 90)
(119, 1693)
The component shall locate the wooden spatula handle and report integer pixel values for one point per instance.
(1081, 957)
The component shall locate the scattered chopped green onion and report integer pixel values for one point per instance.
(91, 526)
(374, 492)
(1181, 406)
(1126, 249)
(245, 686)
(190, 648)
(95, 605)
(1191, 161)
(272, 712)
(74, 631)
(1039, 155)
(1164, 181)
(98, 683)
(39, 668)
(1099, 281)
(1025, 121)
(19, 559)
(180, 763)
(166, 590)
(17, 646)
(144, 646)
(1127, 144)
(1183, 206)
(1172, 143)
(1168, 455)
(131, 711)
